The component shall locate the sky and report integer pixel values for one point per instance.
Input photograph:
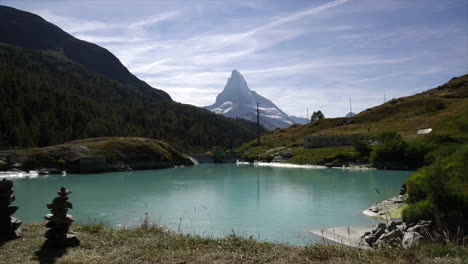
(312, 54)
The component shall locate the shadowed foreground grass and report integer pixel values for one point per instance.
(147, 244)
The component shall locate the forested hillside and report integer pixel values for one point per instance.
(30, 31)
(45, 100)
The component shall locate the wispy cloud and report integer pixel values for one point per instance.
(312, 54)
(153, 20)
(71, 25)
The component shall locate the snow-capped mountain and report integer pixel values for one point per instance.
(237, 100)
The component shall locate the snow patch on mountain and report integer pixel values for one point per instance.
(223, 108)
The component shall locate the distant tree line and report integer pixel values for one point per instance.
(46, 101)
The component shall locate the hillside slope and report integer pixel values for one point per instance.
(30, 31)
(444, 109)
(47, 101)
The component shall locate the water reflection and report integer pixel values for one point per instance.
(273, 203)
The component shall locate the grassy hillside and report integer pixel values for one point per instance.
(46, 101)
(444, 109)
(149, 244)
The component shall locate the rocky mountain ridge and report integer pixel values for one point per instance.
(237, 100)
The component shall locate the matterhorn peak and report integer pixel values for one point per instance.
(237, 100)
(235, 73)
(236, 81)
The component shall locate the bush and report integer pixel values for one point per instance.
(437, 138)
(461, 123)
(362, 147)
(3, 165)
(416, 152)
(267, 157)
(391, 147)
(249, 157)
(423, 210)
(434, 107)
(441, 151)
(443, 185)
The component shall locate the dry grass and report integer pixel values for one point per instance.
(148, 244)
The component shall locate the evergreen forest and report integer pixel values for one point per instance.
(46, 100)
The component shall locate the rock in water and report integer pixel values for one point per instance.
(9, 226)
(59, 221)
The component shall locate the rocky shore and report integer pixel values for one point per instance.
(393, 233)
(397, 233)
(388, 209)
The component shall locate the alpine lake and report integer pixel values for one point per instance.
(277, 204)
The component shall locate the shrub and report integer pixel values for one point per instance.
(362, 147)
(267, 157)
(437, 138)
(441, 151)
(461, 123)
(416, 152)
(443, 185)
(391, 147)
(434, 107)
(3, 165)
(423, 210)
(249, 157)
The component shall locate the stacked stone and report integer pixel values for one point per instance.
(9, 226)
(59, 221)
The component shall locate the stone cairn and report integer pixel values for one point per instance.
(9, 226)
(59, 221)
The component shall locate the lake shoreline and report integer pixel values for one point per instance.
(386, 210)
(308, 166)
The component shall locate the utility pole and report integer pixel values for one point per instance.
(384, 98)
(308, 118)
(258, 126)
(350, 108)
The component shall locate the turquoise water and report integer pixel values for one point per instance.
(274, 204)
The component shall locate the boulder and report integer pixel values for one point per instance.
(391, 235)
(370, 239)
(417, 228)
(411, 239)
(391, 226)
(278, 159)
(402, 227)
(379, 225)
(379, 231)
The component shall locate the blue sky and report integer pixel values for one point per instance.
(312, 54)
